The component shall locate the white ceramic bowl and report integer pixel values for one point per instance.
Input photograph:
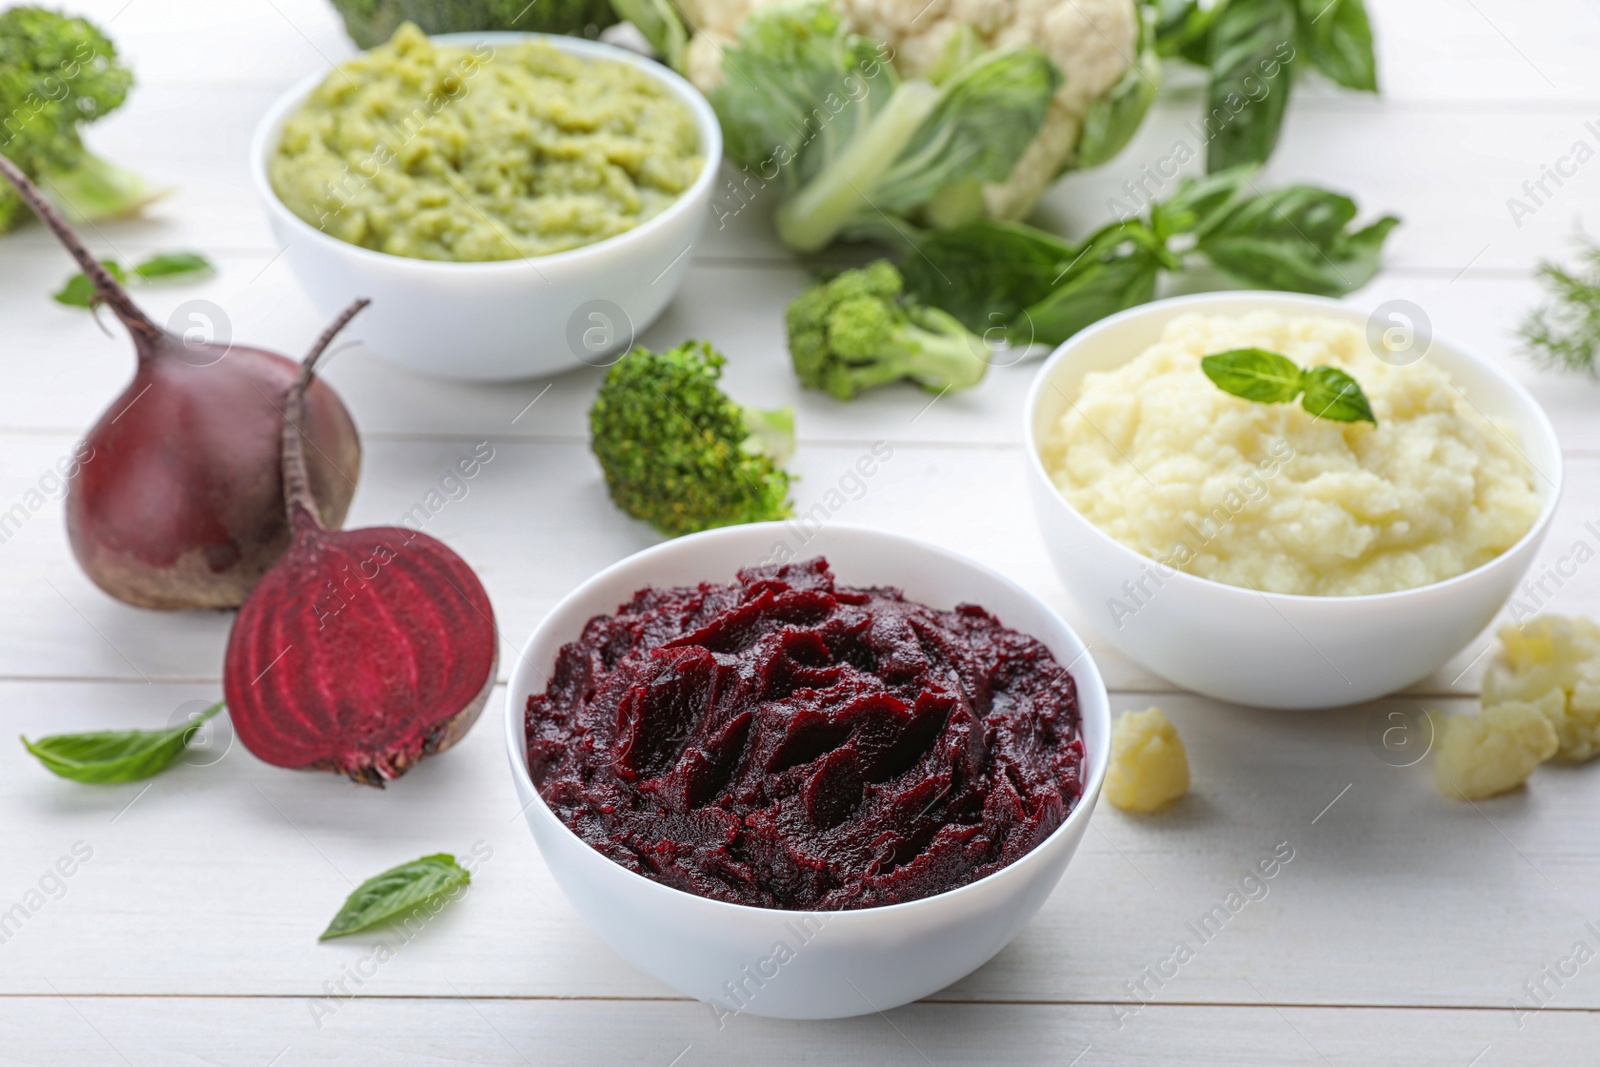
(504, 320)
(1273, 649)
(844, 962)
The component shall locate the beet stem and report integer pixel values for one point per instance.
(105, 286)
(297, 495)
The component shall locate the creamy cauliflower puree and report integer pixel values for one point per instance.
(1269, 497)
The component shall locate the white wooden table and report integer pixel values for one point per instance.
(1402, 931)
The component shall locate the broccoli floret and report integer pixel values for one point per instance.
(678, 453)
(372, 22)
(857, 331)
(57, 73)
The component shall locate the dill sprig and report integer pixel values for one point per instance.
(1564, 334)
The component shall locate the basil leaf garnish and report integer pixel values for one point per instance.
(395, 892)
(1333, 394)
(1254, 374)
(1250, 52)
(111, 756)
(1270, 378)
(1338, 39)
(173, 264)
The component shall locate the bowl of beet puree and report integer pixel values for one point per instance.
(806, 774)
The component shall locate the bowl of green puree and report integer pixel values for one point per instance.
(514, 204)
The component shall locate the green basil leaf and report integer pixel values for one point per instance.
(1255, 374)
(1303, 213)
(985, 272)
(1251, 52)
(1338, 39)
(1333, 394)
(173, 264)
(1272, 378)
(395, 892)
(1296, 239)
(1114, 117)
(1199, 204)
(115, 755)
(1117, 270)
(79, 291)
(1043, 289)
(1181, 28)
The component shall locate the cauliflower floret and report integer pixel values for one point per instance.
(713, 25)
(1092, 43)
(702, 59)
(1494, 751)
(1149, 767)
(1553, 661)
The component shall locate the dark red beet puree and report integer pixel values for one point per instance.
(787, 742)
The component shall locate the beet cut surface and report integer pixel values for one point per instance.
(787, 742)
(360, 651)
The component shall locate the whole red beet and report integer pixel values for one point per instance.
(178, 502)
(360, 651)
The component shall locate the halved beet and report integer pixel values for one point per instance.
(360, 651)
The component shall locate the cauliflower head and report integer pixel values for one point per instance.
(1093, 43)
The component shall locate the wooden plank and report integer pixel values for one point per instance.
(237, 861)
(536, 522)
(66, 370)
(116, 1032)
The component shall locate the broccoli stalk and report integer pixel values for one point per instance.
(99, 189)
(770, 433)
(678, 453)
(57, 73)
(857, 331)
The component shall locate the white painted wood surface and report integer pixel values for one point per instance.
(1400, 933)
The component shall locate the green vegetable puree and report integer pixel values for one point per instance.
(483, 153)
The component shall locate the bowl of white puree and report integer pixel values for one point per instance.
(1261, 554)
